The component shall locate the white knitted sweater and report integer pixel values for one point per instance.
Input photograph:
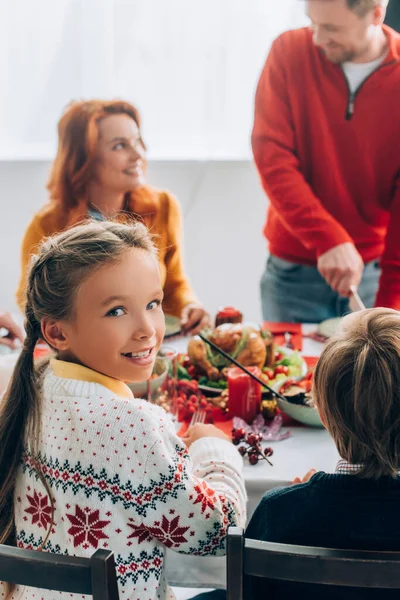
(121, 479)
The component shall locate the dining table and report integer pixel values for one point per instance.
(306, 448)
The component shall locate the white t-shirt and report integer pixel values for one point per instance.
(356, 73)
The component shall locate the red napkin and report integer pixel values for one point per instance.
(279, 329)
(224, 423)
(311, 361)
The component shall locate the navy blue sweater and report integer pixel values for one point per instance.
(331, 511)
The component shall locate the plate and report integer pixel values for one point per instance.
(172, 326)
(211, 391)
(329, 327)
(308, 415)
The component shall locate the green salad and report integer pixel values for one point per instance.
(220, 384)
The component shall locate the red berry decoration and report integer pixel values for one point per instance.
(252, 439)
(238, 434)
(253, 447)
(253, 459)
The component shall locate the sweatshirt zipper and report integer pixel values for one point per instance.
(350, 104)
(352, 95)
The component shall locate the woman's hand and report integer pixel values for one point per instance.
(201, 430)
(194, 318)
(14, 332)
(306, 477)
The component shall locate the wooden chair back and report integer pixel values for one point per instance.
(94, 576)
(305, 564)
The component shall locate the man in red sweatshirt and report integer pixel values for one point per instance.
(326, 143)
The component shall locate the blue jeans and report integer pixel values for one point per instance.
(294, 293)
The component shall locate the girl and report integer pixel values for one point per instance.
(99, 171)
(83, 464)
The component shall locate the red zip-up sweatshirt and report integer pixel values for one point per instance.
(329, 161)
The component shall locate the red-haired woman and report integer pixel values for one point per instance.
(99, 171)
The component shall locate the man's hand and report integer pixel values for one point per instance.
(341, 267)
(13, 331)
(194, 318)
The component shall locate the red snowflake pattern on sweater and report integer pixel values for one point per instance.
(39, 509)
(168, 533)
(139, 531)
(86, 527)
(147, 499)
(205, 496)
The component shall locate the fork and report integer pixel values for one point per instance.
(355, 301)
(199, 416)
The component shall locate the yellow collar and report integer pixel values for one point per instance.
(68, 370)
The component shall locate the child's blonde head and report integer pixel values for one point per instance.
(65, 260)
(62, 264)
(357, 391)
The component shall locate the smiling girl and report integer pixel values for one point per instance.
(83, 464)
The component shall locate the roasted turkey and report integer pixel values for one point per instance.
(244, 342)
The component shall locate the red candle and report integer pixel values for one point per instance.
(229, 314)
(244, 393)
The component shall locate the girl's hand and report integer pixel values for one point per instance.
(194, 318)
(14, 332)
(306, 477)
(201, 430)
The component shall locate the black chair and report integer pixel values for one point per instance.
(94, 576)
(348, 568)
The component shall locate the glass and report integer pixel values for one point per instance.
(162, 390)
(244, 394)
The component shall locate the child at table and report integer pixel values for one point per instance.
(357, 392)
(83, 464)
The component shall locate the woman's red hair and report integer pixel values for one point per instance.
(78, 134)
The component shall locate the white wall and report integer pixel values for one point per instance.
(224, 212)
(191, 68)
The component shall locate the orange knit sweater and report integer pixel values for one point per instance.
(160, 212)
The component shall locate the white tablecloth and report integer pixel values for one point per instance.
(307, 448)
